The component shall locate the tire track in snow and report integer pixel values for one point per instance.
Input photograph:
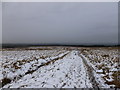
(67, 72)
(90, 72)
(79, 70)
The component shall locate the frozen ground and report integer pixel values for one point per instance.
(52, 68)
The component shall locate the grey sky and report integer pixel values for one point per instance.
(61, 23)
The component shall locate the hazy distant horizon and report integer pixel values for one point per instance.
(79, 23)
(62, 44)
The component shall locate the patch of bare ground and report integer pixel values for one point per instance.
(5, 81)
(116, 80)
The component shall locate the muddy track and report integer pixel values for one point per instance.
(6, 81)
(90, 73)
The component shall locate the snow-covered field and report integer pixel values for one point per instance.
(106, 63)
(58, 67)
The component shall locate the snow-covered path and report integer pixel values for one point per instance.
(69, 72)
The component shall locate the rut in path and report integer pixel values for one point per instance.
(90, 73)
(6, 81)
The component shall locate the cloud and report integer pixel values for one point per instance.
(60, 23)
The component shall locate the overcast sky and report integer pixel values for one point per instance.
(60, 23)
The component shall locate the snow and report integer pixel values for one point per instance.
(96, 75)
(99, 71)
(56, 68)
(14, 58)
(68, 72)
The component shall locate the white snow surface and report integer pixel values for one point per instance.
(69, 72)
(97, 76)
